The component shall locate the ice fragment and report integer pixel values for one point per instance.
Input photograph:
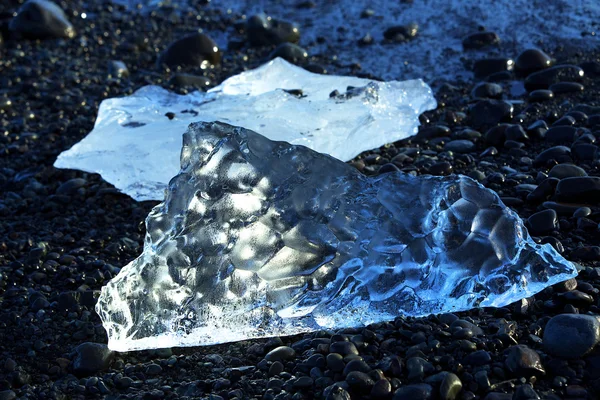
(136, 141)
(260, 238)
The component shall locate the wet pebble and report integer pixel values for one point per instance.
(489, 66)
(561, 171)
(566, 87)
(556, 153)
(540, 95)
(450, 387)
(532, 60)
(583, 190)
(117, 69)
(491, 112)
(263, 30)
(281, 353)
(459, 146)
(571, 335)
(91, 358)
(290, 52)
(524, 361)
(401, 33)
(360, 381)
(381, 390)
(542, 222)
(548, 77)
(196, 50)
(421, 391)
(189, 80)
(480, 39)
(487, 90)
(561, 134)
(42, 19)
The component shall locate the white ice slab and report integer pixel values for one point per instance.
(136, 147)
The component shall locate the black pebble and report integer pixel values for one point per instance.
(556, 153)
(281, 353)
(91, 358)
(548, 77)
(480, 39)
(562, 171)
(290, 52)
(262, 30)
(532, 60)
(566, 87)
(192, 50)
(523, 361)
(561, 134)
(189, 80)
(42, 20)
(401, 33)
(542, 222)
(487, 90)
(421, 391)
(571, 335)
(540, 95)
(488, 66)
(490, 112)
(584, 190)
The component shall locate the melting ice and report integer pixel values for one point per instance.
(136, 143)
(260, 238)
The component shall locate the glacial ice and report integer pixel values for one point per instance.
(135, 145)
(261, 238)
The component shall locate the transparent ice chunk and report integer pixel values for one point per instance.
(135, 145)
(260, 238)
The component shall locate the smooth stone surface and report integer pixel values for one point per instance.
(488, 66)
(290, 52)
(42, 19)
(558, 153)
(524, 361)
(585, 190)
(571, 336)
(561, 171)
(459, 146)
(189, 80)
(480, 39)
(566, 87)
(532, 60)
(194, 50)
(487, 90)
(401, 33)
(420, 391)
(490, 112)
(540, 95)
(263, 30)
(91, 358)
(561, 134)
(281, 353)
(547, 77)
(450, 387)
(542, 222)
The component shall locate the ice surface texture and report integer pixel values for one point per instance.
(260, 238)
(136, 147)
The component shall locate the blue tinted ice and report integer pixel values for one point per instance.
(136, 141)
(260, 238)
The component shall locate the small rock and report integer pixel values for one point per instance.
(450, 387)
(582, 190)
(561, 134)
(480, 39)
(421, 391)
(459, 146)
(542, 222)
(562, 171)
(571, 336)
(263, 30)
(556, 153)
(290, 52)
(189, 80)
(117, 69)
(548, 77)
(381, 390)
(532, 60)
(487, 90)
(540, 95)
(401, 33)
(91, 358)
(523, 361)
(489, 66)
(42, 19)
(196, 50)
(566, 87)
(281, 353)
(71, 186)
(491, 112)
(360, 381)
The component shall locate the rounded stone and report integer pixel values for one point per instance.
(420, 391)
(91, 358)
(42, 19)
(263, 30)
(450, 387)
(561, 171)
(524, 361)
(196, 50)
(571, 336)
(480, 39)
(281, 353)
(487, 90)
(290, 52)
(532, 60)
